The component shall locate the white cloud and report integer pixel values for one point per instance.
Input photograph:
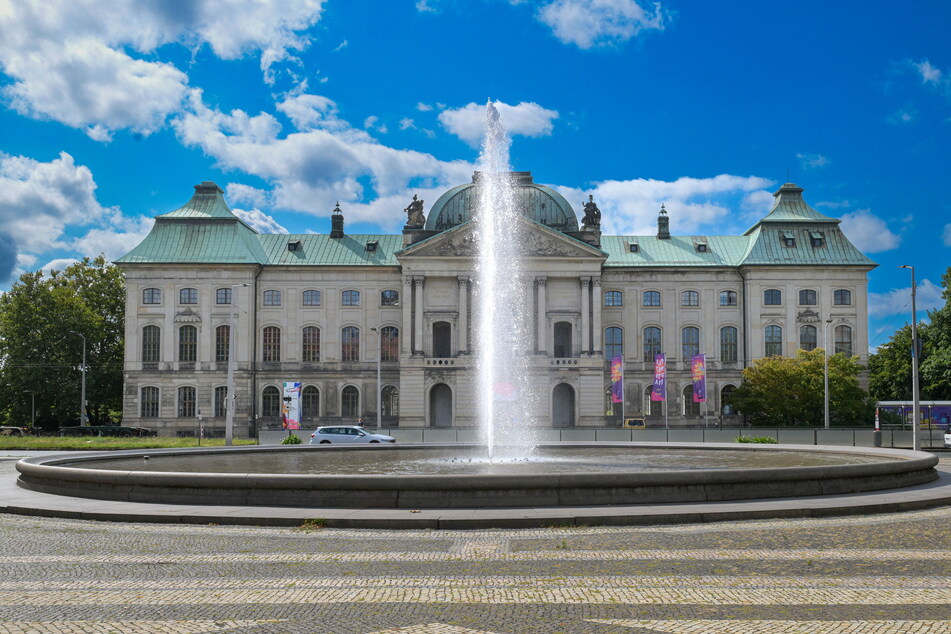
(259, 221)
(370, 121)
(595, 23)
(929, 74)
(311, 169)
(58, 264)
(424, 6)
(898, 301)
(525, 119)
(308, 112)
(904, 116)
(423, 107)
(946, 236)
(868, 232)
(341, 46)
(695, 205)
(81, 63)
(116, 240)
(812, 160)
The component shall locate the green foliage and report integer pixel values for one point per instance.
(890, 366)
(779, 391)
(312, 524)
(96, 443)
(763, 440)
(40, 352)
(292, 439)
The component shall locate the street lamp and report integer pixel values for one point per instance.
(915, 438)
(32, 407)
(82, 399)
(825, 371)
(229, 397)
(379, 393)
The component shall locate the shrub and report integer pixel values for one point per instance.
(766, 440)
(292, 439)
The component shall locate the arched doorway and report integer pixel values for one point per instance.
(563, 406)
(562, 347)
(440, 406)
(442, 340)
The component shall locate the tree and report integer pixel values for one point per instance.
(780, 391)
(40, 351)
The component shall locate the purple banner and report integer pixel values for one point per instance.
(617, 379)
(659, 393)
(698, 371)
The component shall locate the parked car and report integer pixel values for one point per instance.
(14, 431)
(346, 434)
(947, 438)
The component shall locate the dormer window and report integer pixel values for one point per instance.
(701, 246)
(634, 247)
(817, 238)
(789, 240)
(372, 245)
(294, 245)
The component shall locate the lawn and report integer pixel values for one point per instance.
(97, 444)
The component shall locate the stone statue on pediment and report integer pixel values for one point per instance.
(592, 215)
(414, 213)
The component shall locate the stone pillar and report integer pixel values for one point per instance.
(542, 283)
(406, 330)
(585, 310)
(418, 282)
(597, 301)
(463, 330)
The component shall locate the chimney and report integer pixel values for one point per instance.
(336, 222)
(663, 224)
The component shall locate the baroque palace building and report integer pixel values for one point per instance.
(319, 308)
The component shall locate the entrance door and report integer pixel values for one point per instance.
(440, 406)
(563, 406)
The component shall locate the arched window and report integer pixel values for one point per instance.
(272, 345)
(310, 403)
(690, 408)
(613, 298)
(808, 337)
(391, 401)
(150, 402)
(351, 298)
(563, 406)
(442, 340)
(272, 298)
(772, 297)
(390, 298)
(807, 297)
(186, 402)
(727, 298)
(350, 402)
(188, 296)
(350, 344)
(728, 347)
(651, 343)
(311, 298)
(843, 340)
(689, 298)
(390, 343)
(690, 342)
(223, 296)
(221, 399)
(152, 296)
(726, 400)
(613, 342)
(651, 298)
(151, 344)
(562, 342)
(271, 402)
(188, 344)
(842, 297)
(774, 341)
(222, 343)
(310, 342)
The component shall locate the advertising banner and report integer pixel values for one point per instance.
(617, 379)
(290, 405)
(659, 393)
(698, 370)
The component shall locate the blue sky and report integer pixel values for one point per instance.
(111, 111)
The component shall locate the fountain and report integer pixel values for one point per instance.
(510, 469)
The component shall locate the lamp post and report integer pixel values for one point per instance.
(32, 407)
(915, 432)
(229, 397)
(82, 399)
(379, 393)
(825, 372)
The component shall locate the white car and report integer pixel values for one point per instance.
(947, 438)
(346, 434)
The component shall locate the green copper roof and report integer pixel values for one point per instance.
(322, 250)
(207, 202)
(675, 251)
(789, 206)
(202, 243)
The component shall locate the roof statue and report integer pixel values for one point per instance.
(592, 215)
(414, 213)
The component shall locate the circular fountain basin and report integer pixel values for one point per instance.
(458, 476)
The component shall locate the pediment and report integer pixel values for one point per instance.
(538, 241)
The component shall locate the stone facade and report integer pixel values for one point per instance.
(784, 284)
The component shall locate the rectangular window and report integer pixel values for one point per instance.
(223, 296)
(311, 345)
(817, 238)
(690, 298)
(651, 343)
(390, 298)
(772, 297)
(351, 298)
(188, 296)
(651, 298)
(186, 402)
(727, 298)
(272, 298)
(152, 296)
(774, 341)
(613, 298)
(222, 343)
(807, 297)
(842, 297)
(272, 345)
(151, 338)
(311, 298)
(728, 338)
(150, 402)
(221, 395)
(188, 344)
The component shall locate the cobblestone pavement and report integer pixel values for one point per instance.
(884, 573)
